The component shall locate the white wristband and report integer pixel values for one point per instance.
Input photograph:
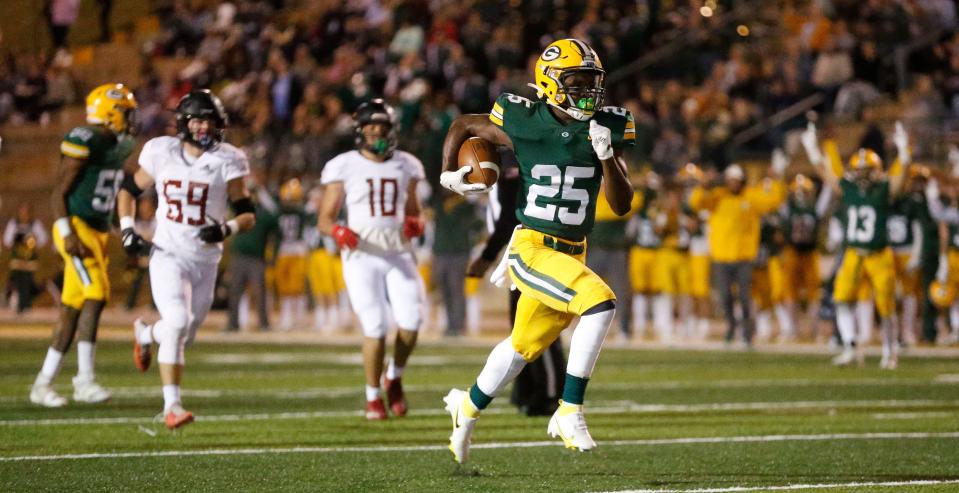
(126, 222)
(233, 225)
(63, 227)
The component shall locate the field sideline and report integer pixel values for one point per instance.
(286, 417)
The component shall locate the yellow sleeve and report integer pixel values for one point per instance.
(701, 199)
(496, 114)
(897, 169)
(74, 150)
(768, 196)
(831, 150)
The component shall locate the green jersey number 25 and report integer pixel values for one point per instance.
(560, 183)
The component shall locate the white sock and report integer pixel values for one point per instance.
(392, 371)
(473, 314)
(890, 342)
(764, 325)
(702, 328)
(171, 396)
(587, 341)
(50, 368)
(846, 323)
(372, 393)
(784, 315)
(640, 314)
(299, 307)
(144, 335)
(286, 313)
(910, 307)
(686, 316)
(864, 321)
(954, 318)
(502, 366)
(344, 302)
(663, 317)
(243, 310)
(320, 319)
(86, 351)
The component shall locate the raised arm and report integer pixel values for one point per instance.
(825, 170)
(900, 168)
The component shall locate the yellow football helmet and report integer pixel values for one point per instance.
(570, 77)
(291, 191)
(690, 175)
(113, 106)
(864, 164)
(941, 294)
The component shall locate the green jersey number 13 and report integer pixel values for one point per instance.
(560, 187)
(861, 224)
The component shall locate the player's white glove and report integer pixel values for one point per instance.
(901, 139)
(942, 272)
(779, 163)
(811, 144)
(455, 182)
(953, 157)
(602, 140)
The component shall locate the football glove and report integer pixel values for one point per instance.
(602, 140)
(133, 243)
(811, 143)
(345, 237)
(901, 139)
(215, 233)
(942, 272)
(455, 182)
(413, 227)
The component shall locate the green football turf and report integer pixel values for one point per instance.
(287, 418)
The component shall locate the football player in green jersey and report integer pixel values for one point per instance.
(566, 144)
(91, 170)
(866, 201)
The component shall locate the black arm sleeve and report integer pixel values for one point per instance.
(130, 184)
(242, 206)
(506, 189)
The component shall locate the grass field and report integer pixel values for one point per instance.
(287, 418)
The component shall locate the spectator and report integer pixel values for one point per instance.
(23, 236)
(61, 14)
(457, 222)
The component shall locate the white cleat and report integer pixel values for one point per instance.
(569, 424)
(845, 358)
(462, 426)
(44, 395)
(89, 391)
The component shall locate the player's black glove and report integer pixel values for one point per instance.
(133, 243)
(215, 233)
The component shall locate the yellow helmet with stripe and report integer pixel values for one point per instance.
(941, 294)
(864, 164)
(113, 106)
(569, 76)
(291, 191)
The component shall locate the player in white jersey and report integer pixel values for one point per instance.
(195, 175)
(378, 185)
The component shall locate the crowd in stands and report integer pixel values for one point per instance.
(291, 74)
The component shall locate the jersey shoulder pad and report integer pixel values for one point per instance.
(154, 152)
(620, 123)
(510, 107)
(333, 170)
(412, 165)
(79, 141)
(235, 163)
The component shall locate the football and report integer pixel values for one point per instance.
(481, 156)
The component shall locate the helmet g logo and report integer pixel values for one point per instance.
(551, 53)
(114, 94)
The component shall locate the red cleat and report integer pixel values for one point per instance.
(177, 417)
(142, 355)
(375, 411)
(395, 396)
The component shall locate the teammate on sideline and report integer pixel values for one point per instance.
(91, 169)
(195, 174)
(378, 184)
(866, 199)
(566, 144)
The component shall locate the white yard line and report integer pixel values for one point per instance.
(794, 487)
(920, 415)
(342, 391)
(495, 445)
(596, 407)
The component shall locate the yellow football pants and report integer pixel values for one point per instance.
(876, 267)
(84, 279)
(554, 287)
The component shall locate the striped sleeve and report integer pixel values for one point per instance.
(74, 150)
(629, 131)
(496, 114)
